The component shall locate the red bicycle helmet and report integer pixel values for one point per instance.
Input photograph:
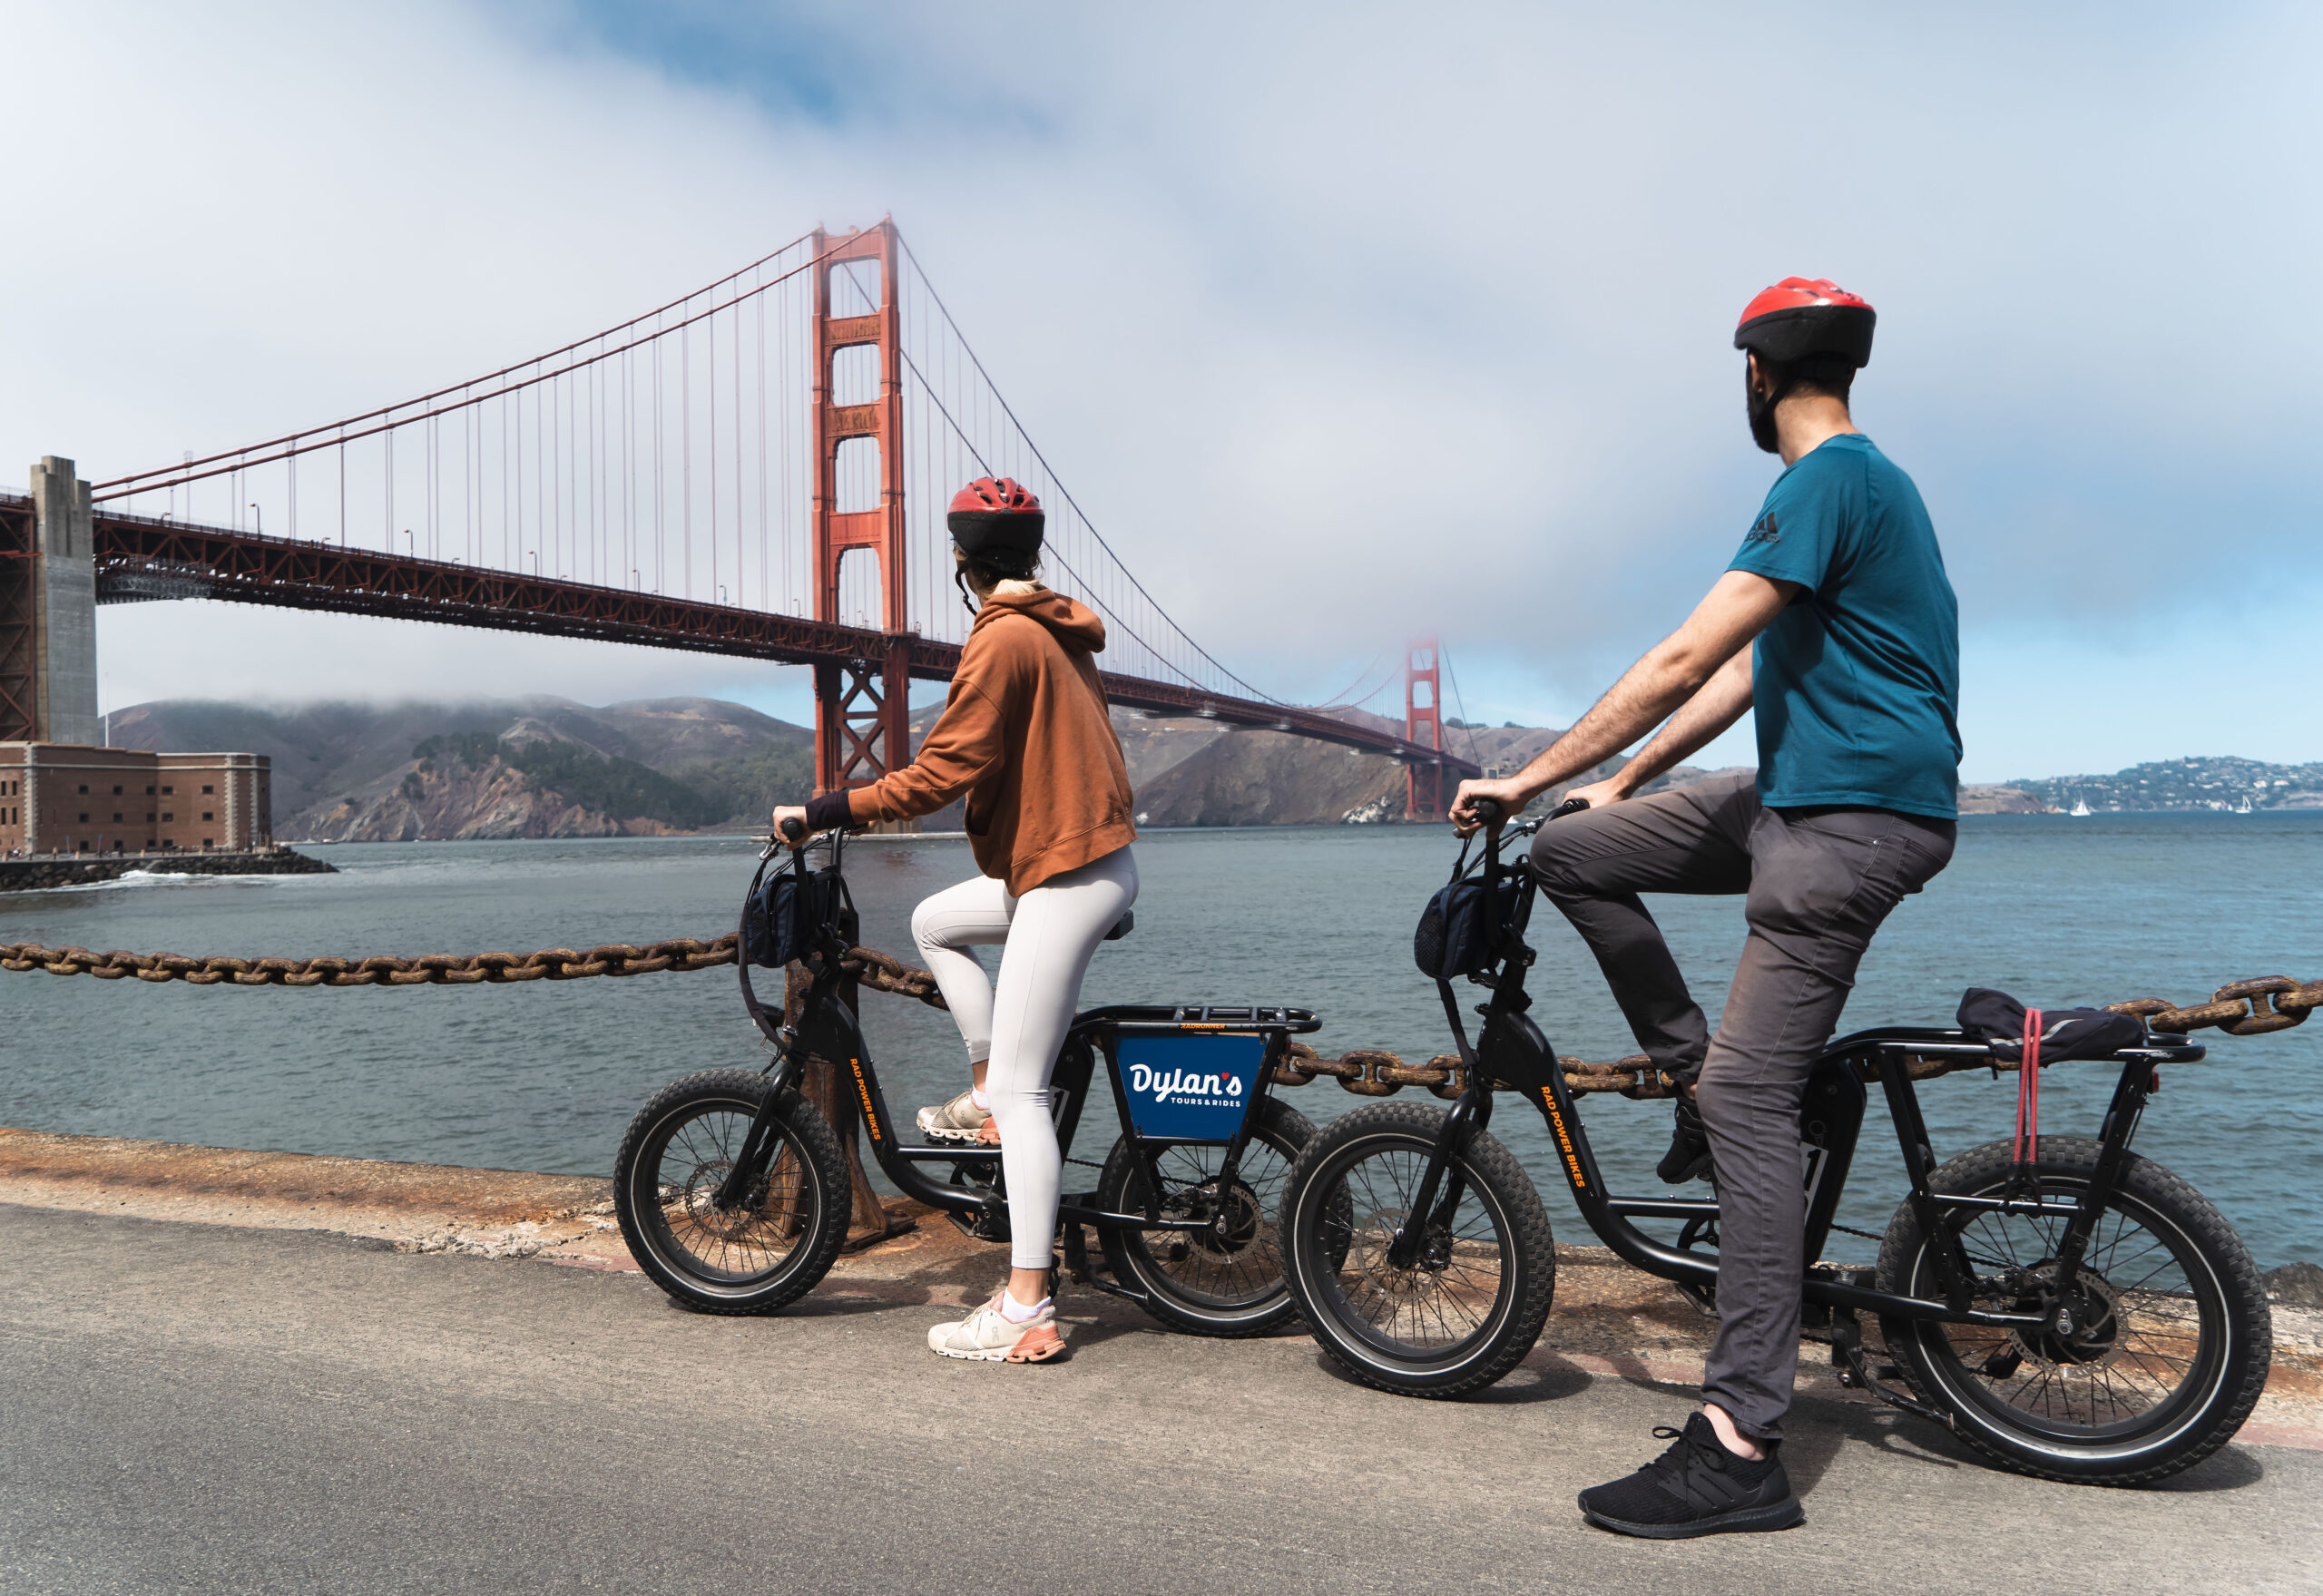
(997, 520)
(1802, 316)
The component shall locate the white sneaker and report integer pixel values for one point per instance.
(958, 1121)
(989, 1335)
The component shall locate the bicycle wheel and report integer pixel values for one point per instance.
(2170, 1336)
(1471, 1303)
(758, 1254)
(1225, 1280)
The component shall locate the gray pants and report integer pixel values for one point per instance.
(1816, 883)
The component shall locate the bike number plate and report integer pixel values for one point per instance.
(1189, 1088)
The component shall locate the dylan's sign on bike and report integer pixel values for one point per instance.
(1189, 1088)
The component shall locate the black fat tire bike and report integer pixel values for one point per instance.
(734, 1195)
(2089, 1317)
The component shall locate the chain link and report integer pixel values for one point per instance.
(2243, 1008)
(553, 963)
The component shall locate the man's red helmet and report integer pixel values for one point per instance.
(997, 520)
(1802, 316)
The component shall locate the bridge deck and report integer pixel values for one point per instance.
(141, 557)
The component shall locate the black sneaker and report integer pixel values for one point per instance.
(1689, 1155)
(1695, 1488)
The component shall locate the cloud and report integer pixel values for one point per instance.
(1341, 322)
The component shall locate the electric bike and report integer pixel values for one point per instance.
(734, 1195)
(2081, 1314)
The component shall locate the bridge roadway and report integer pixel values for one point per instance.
(195, 1407)
(141, 557)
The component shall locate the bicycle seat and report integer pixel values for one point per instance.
(1122, 927)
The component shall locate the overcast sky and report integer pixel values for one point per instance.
(1344, 323)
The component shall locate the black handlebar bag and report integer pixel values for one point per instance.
(781, 917)
(1455, 935)
(1464, 927)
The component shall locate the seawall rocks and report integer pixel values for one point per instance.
(33, 874)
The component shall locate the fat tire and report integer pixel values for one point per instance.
(1312, 1265)
(808, 1135)
(2233, 1385)
(1290, 1132)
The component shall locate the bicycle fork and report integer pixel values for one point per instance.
(1441, 1187)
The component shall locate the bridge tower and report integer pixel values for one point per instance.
(861, 705)
(48, 613)
(1423, 784)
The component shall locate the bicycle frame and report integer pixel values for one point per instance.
(1511, 1051)
(827, 1028)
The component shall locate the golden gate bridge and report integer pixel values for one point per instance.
(758, 469)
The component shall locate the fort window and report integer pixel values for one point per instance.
(84, 789)
(167, 819)
(149, 817)
(116, 814)
(210, 842)
(208, 816)
(167, 791)
(116, 792)
(206, 790)
(84, 819)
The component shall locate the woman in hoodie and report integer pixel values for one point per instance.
(1026, 741)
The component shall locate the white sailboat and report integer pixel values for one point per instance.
(2080, 807)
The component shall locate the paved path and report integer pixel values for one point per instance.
(193, 1408)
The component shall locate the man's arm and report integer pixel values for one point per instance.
(1673, 671)
(1719, 705)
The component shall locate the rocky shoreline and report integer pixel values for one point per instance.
(36, 875)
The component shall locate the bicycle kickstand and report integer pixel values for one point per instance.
(1856, 1373)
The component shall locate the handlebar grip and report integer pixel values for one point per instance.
(1570, 807)
(1486, 810)
(794, 831)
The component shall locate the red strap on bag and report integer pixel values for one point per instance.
(2028, 1095)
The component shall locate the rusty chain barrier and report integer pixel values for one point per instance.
(2242, 1008)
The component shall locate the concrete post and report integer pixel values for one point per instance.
(66, 586)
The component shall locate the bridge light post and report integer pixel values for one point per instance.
(257, 521)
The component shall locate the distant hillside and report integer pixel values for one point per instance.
(2203, 782)
(548, 766)
(535, 767)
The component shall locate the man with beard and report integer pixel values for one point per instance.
(1836, 624)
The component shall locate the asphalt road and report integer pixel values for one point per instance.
(187, 1407)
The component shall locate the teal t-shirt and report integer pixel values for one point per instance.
(1856, 683)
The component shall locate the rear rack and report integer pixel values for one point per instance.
(1241, 1017)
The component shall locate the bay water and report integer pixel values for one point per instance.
(2059, 910)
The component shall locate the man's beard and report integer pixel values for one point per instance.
(1762, 416)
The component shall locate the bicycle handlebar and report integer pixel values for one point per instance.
(794, 831)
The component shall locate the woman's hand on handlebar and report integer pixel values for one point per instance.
(1502, 792)
(791, 826)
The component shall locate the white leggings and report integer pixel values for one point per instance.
(1046, 937)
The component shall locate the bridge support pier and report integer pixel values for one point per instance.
(862, 717)
(48, 615)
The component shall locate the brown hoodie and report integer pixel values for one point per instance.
(1024, 739)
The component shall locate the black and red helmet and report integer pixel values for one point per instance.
(996, 519)
(1802, 316)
